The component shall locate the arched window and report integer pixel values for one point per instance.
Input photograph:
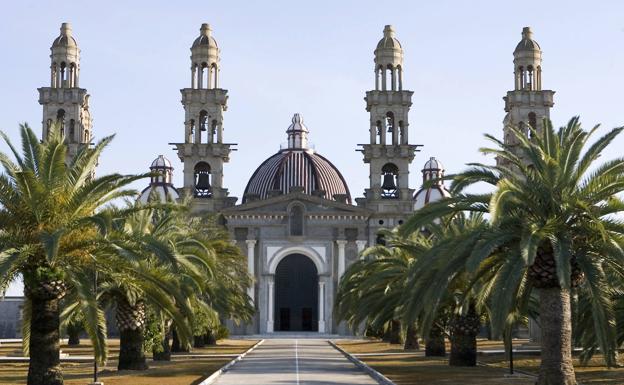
(63, 74)
(60, 120)
(532, 123)
(402, 133)
(390, 128)
(191, 133)
(204, 76)
(203, 127)
(203, 182)
(214, 71)
(296, 220)
(389, 181)
(72, 129)
(380, 132)
(530, 86)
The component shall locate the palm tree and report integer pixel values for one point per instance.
(439, 283)
(552, 230)
(47, 236)
(373, 290)
(172, 268)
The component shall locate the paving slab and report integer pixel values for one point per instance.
(295, 362)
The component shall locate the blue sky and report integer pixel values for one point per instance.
(316, 58)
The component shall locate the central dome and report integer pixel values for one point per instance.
(297, 167)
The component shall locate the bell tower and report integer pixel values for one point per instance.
(528, 104)
(64, 102)
(388, 152)
(203, 151)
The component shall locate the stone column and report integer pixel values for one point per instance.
(361, 245)
(321, 297)
(251, 247)
(270, 284)
(341, 257)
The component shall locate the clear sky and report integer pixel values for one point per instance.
(315, 58)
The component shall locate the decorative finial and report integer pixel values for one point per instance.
(66, 29)
(205, 29)
(388, 31)
(297, 118)
(527, 33)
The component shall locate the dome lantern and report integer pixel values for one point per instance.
(432, 170)
(297, 133)
(161, 184)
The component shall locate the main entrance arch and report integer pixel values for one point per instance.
(296, 294)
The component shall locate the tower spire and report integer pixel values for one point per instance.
(203, 151)
(527, 104)
(65, 104)
(388, 152)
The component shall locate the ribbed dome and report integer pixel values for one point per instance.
(389, 41)
(205, 38)
(161, 162)
(527, 43)
(297, 167)
(65, 39)
(433, 169)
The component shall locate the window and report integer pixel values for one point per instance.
(296, 220)
(203, 187)
(389, 181)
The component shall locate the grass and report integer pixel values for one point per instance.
(414, 368)
(179, 371)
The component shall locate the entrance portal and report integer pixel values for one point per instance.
(296, 294)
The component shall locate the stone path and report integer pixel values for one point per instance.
(295, 362)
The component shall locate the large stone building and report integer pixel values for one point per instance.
(297, 221)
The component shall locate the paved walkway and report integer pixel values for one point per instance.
(296, 362)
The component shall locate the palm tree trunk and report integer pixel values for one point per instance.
(464, 330)
(555, 315)
(434, 343)
(199, 341)
(44, 367)
(210, 338)
(393, 334)
(165, 354)
(411, 338)
(131, 322)
(73, 332)
(176, 344)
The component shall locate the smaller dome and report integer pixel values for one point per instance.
(161, 162)
(205, 38)
(161, 187)
(389, 41)
(527, 43)
(162, 193)
(433, 169)
(65, 39)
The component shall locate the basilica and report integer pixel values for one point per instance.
(297, 221)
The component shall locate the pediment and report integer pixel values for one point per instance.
(280, 204)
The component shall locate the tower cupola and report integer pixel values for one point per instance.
(205, 60)
(297, 133)
(528, 63)
(433, 169)
(65, 59)
(428, 193)
(389, 62)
